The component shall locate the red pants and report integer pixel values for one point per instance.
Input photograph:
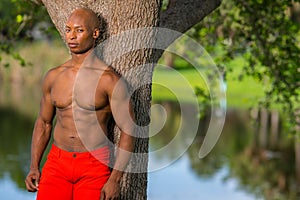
(74, 176)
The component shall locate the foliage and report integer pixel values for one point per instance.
(21, 20)
(265, 34)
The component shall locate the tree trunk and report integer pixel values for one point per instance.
(132, 63)
(263, 130)
(297, 146)
(274, 129)
(297, 159)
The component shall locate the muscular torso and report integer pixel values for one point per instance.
(82, 107)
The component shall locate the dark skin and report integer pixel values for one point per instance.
(83, 94)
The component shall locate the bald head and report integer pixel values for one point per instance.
(88, 16)
(82, 30)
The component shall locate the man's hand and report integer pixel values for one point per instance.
(32, 180)
(110, 191)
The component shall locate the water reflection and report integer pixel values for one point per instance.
(267, 173)
(10, 191)
(14, 144)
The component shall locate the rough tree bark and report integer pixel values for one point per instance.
(119, 16)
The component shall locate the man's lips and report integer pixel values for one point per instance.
(72, 45)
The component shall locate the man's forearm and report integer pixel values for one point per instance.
(40, 139)
(124, 152)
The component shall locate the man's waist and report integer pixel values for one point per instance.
(99, 153)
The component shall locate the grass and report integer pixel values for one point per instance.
(170, 84)
(239, 93)
(242, 93)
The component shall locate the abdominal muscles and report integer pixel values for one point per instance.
(79, 130)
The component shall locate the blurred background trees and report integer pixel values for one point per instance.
(265, 33)
(21, 21)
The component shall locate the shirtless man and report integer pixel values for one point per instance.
(83, 94)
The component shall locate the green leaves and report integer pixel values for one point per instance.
(263, 32)
(17, 20)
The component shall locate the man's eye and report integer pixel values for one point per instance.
(67, 30)
(79, 30)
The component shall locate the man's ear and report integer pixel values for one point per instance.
(96, 33)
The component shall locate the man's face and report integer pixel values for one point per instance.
(80, 34)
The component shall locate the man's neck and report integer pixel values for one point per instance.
(78, 59)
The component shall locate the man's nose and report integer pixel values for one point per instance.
(73, 35)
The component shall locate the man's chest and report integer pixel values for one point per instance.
(86, 92)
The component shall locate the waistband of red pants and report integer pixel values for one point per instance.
(101, 154)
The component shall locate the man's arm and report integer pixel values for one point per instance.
(41, 135)
(124, 118)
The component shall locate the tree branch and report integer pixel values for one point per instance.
(181, 15)
(38, 2)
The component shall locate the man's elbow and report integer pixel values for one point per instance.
(43, 124)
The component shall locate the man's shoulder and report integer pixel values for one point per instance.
(57, 69)
(111, 75)
(53, 72)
